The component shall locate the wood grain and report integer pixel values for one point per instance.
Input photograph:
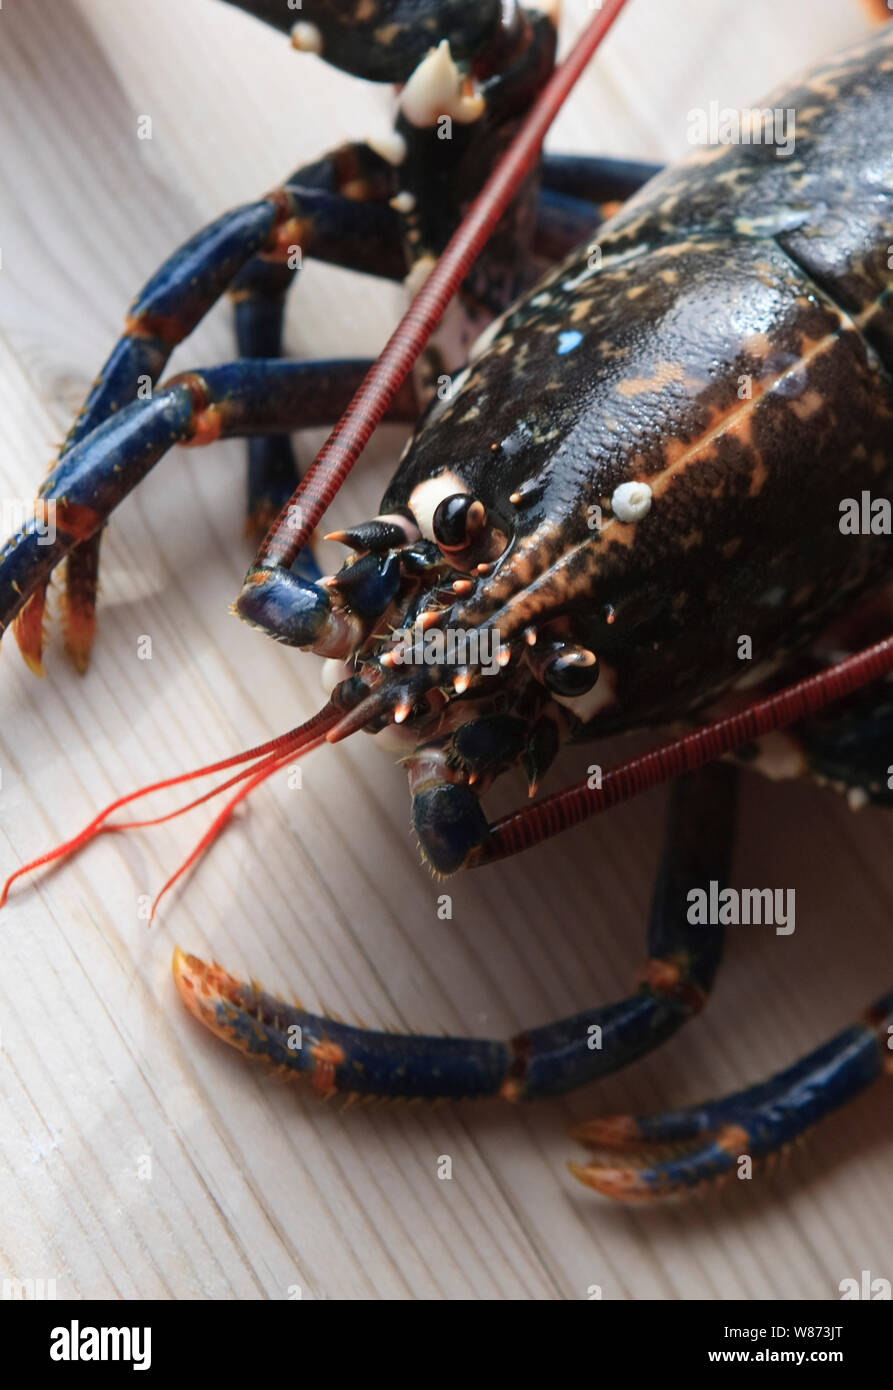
(254, 1189)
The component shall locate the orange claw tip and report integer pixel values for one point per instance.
(34, 663)
(609, 1132)
(191, 972)
(201, 985)
(621, 1184)
(28, 629)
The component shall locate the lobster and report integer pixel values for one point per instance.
(622, 468)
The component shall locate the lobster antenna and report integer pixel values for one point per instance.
(313, 496)
(273, 754)
(533, 824)
(255, 776)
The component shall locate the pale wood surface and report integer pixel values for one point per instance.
(253, 1188)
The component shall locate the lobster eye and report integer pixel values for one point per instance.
(457, 520)
(571, 672)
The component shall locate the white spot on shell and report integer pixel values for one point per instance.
(306, 37)
(436, 88)
(426, 497)
(631, 501)
(403, 202)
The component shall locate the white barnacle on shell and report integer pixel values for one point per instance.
(306, 37)
(631, 501)
(437, 88)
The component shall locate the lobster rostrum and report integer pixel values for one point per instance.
(637, 458)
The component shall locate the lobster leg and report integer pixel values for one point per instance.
(546, 1061)
(577, 194)
(354, 229)
(595, 178)
(165, 311)
(88, 482)
(852, 752)
(272, 465)
(259, 292)
(682, 959)
(752, 1123)
(562, 224)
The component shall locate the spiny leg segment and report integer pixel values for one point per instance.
(547, 1061)
(352, 173)
(238, 398)
(310, 212)
(755, 1122)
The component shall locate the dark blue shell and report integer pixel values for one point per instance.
(737, 271)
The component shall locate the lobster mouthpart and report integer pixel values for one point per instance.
(446, 659)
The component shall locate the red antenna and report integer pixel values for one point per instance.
(533, 824)
(336, 458)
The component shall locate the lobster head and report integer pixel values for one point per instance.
(424, 633)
